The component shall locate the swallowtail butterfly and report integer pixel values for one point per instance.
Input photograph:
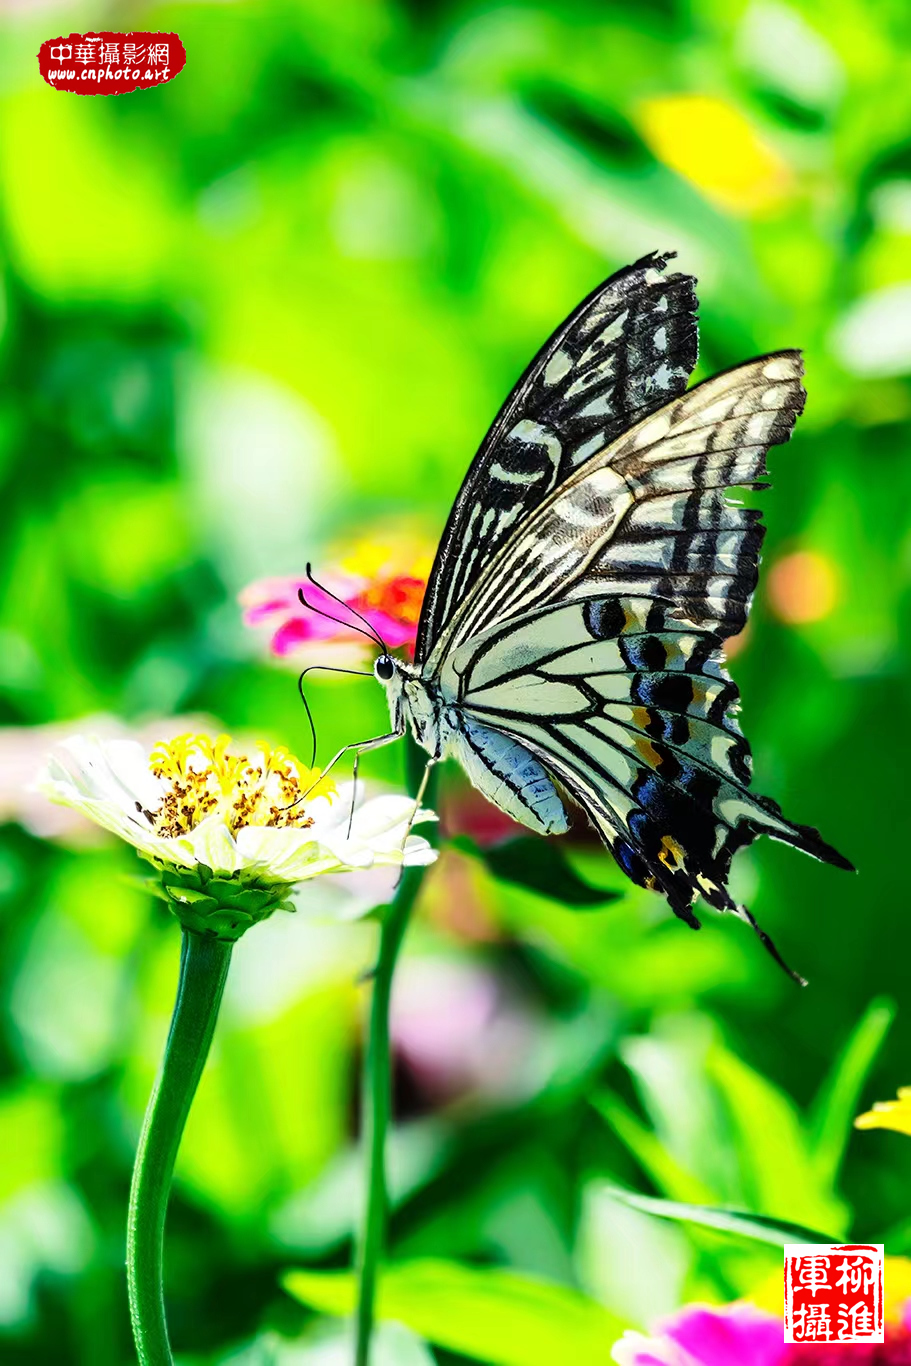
(571, 637)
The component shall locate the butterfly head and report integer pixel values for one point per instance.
(384, 668)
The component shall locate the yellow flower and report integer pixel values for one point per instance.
(713, 145)
(889, 1114)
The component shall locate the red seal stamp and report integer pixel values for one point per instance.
(833, 1292)
(111, 63)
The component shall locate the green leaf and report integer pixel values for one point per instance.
(541, 866)
(836, 1103)
(653, 1157)
(758, 1227)
(498, 1316)
(779, 1175)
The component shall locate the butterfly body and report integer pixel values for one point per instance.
(571, 638)
(501, 768)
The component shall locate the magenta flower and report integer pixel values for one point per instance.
(742, 1335)
(703, 1335)
(385, 584)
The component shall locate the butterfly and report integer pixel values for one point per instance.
(571, 635)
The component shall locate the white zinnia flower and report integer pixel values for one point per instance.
(230, 833)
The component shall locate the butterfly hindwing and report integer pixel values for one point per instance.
(621, 354)
(632, 711)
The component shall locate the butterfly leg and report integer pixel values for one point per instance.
(361, 747)
(354, 769)
(419, 797)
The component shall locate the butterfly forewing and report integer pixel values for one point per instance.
(647, 515)
(623, 353)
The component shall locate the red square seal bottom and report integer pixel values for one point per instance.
(833, 1292)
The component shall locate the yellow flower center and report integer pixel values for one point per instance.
(204, 778)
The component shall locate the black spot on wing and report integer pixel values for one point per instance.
(670, 691)
(643, 654)
(604, 618)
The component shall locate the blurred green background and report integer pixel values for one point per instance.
(265, 309)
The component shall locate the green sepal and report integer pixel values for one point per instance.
(251, 899)
(222, 906)
(189, 896)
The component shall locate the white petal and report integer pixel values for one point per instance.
(211, 842)
(128, 825)
(290, 853)
(114, 771)
(418, 853)
(380, 825)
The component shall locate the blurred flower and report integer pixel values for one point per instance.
(802, 587)
(384, 582)
(742, 1335)
(734, 645)
(466, 812)
(458, 900)
(456, 1029)
(703, 1335)
(230, 833)
(712, 144)
(889, 1114)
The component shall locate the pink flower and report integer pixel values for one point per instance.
(383, 582)
(742, 1335)
(460, 1033)
(702, 1335)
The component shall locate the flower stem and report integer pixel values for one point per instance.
(376, 1103)
(204, 963)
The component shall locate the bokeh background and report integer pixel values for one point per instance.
(268, 310)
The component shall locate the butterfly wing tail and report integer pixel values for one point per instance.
(768, 820)
(679, 885)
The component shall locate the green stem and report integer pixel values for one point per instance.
(376, 1104)
(204, 963)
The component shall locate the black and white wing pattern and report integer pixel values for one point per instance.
(647, 514)
(627, 349)
(592, 639)
(629, 707)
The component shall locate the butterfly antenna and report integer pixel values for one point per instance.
(339, 621)
(744, 914)
(324, 668)
(300, 689)
(348, 608)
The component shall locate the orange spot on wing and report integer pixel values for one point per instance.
(647, 750)
(642, 717)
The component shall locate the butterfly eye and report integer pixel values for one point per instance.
(384, 668)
